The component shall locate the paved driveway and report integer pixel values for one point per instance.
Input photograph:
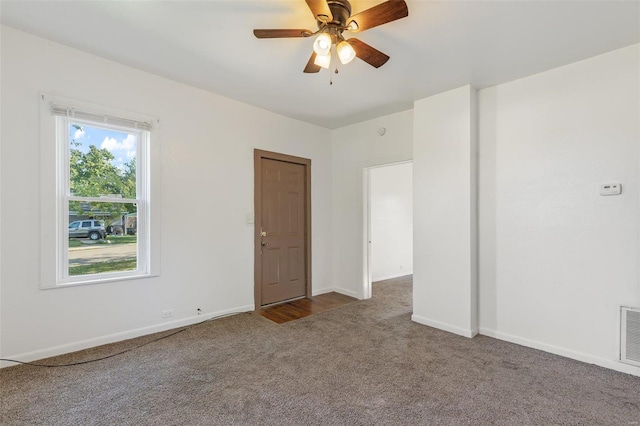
(101, 253)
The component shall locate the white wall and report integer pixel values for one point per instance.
(444, 185)
(556, 258)
(391, 216)
(1, 351)
(207, 177)
(354, 148)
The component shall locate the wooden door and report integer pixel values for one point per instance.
(281, 225)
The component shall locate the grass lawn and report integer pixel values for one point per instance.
(121, 239)
(97, 268)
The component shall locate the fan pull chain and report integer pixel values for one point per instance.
(331, 76)
(335, 61)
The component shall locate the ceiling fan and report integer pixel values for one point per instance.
(333, 18)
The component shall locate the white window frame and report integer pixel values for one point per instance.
(55, 189)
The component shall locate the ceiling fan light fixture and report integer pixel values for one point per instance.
(333, 17)
(323, 60)
(322, 45)
(345, 52)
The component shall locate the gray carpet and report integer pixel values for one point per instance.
(362, 364)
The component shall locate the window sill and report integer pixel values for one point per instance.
(99, 281)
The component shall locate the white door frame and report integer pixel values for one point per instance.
(366, 228)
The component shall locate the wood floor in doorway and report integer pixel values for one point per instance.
(301, 308)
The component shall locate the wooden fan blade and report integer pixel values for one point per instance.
(320, 10)
(370, 55)
(281, 33)
(311, 67)
(381, 14)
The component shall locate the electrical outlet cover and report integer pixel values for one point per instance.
(610, 189)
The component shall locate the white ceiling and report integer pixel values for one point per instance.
(440, 46)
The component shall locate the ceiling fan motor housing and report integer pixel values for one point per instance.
(341, 11)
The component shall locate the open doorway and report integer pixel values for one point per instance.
(388, 223)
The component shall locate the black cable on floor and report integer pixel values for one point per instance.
(118, 353)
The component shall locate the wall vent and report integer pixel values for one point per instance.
(630, 335)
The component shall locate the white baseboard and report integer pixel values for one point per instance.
(444, 326)
(568, 353)
(389, 277)
(337, 290)
(316, 292)
(116, 337)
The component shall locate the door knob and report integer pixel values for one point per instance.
(264, 244)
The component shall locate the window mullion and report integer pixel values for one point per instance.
(104, 199)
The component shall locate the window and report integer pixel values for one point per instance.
(100, 188)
